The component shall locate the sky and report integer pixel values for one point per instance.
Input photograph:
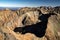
(28, 3)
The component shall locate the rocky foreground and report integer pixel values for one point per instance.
(11, 19)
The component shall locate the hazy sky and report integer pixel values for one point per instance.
(29, 3)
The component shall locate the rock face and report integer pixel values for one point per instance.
(29, 23)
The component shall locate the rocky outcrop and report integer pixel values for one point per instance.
(30, 22)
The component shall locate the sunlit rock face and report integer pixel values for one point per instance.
(27, 19)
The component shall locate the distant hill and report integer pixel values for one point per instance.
(11, 8)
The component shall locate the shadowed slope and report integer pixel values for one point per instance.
(38, 29)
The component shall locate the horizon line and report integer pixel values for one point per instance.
(28, 6)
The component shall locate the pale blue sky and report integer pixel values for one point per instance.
(28, 3)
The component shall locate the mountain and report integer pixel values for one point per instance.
(30, 23)
(11, 8)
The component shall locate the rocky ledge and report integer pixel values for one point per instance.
(40, 23)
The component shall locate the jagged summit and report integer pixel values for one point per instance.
(30, 23)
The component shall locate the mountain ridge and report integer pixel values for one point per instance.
(27, 19)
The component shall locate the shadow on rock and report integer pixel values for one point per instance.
(38, 29)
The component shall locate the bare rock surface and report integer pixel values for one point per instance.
(9, 20)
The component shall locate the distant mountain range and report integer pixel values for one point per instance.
(11, 8)
(15, 8)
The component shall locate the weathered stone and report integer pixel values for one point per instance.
(9, 20)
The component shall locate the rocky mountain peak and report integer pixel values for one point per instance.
(40, 23)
